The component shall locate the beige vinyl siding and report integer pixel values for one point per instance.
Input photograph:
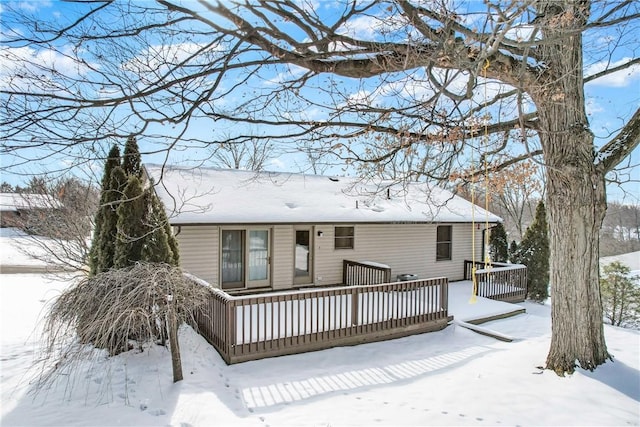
(406, 248)
(199, 251)
(282, 257)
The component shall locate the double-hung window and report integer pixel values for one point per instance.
(443, 243)
(344, 238)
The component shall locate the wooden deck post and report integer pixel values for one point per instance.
(354, 306)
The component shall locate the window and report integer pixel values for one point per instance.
(344, 238)
(443, 243)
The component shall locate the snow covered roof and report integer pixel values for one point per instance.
(22, 201)
(226, 196)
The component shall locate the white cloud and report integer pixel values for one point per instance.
(620, 78)
(32, 6)
(156, 59)
(592, 107)
(19, 65)
(277, 164)
(292, 73)
(362, 26)
(359, 98)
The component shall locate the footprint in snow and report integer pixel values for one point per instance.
(157, 412)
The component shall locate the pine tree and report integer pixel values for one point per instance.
(132, 224)
(173, 242)
(161, 244)
(620, 295)
(498, 244)
(156, 247)
(113, 160)
(132, 219)
(131, 162)
(109, 229)
(513, 251)
(534, 253)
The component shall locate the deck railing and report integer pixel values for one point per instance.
(364, 273)
(246, 328)
(501, 281)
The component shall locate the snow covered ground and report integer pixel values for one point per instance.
(451, 377)
(11, 242)
(631, 260)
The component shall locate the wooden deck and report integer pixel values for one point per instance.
(366, 309)
(246, 328)
(498, 281)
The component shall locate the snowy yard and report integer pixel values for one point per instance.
(451, 377)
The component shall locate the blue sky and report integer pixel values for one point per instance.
(610, 101)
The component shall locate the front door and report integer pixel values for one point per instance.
(245, 256)
(303, 256)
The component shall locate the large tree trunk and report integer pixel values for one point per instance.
(576, 200)
(575, 208)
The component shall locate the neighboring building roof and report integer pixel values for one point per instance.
(24, 201)
(227, 196)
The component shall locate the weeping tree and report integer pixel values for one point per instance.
(406, 89)
(139, 304)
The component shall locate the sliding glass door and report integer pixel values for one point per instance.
(245, 257)
(258, 258)
(232, 261)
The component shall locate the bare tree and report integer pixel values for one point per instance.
(514, 194)
(251, 155)
(620, 232)
(59, 222)
(374, 82)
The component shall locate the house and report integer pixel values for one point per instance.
(15, 208)
(247, 232)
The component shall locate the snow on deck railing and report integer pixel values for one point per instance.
(506, 267)
(501, 281)
(252, 327)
